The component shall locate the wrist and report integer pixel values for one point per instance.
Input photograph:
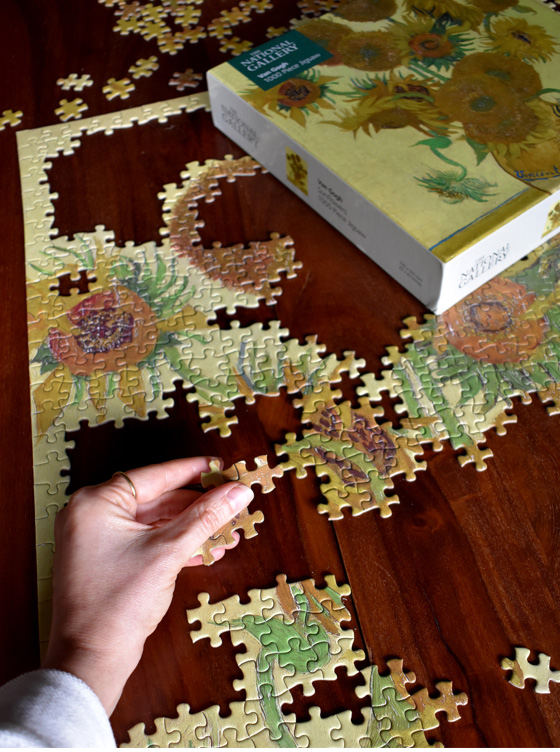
(106, 673)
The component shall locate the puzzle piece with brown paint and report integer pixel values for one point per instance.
(522, 669)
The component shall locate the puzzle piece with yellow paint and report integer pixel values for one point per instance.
(10, 117)
(263, 475)
(71, 110)
(186, 79)
(75, 82)
(522, 669)
(144, 67)
(120, 88)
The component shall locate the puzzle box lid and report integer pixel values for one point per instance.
(443, 114)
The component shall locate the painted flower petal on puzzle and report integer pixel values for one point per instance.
(105, 332)
(108, 345)
(495, 323)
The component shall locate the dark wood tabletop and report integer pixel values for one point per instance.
(466, 567)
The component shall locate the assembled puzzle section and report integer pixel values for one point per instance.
(293, 636)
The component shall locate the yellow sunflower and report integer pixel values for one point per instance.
(395, 103)
(370, 51)
(325, 33)
(294, 98)
(94, 345)
(538, 154)
(516, 37)
(494, 6)
(488, 109)
(421, 39)
(365, 10)
(467, 13)
(520, 76)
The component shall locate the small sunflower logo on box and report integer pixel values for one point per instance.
(553, 219)
(296, 170)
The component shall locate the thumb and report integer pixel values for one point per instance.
(208, 514)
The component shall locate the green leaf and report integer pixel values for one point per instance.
(481, 150)
(44, 355)
(553, 317)
(47, 367)
(542, 276)
(438, 142)
(470, 387)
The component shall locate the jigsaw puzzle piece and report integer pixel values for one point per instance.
(445, 701)
(522, 669)
(319, 731)
(244, 522)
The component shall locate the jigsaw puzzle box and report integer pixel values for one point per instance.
(427, 132)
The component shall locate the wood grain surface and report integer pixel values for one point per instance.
(465, 568)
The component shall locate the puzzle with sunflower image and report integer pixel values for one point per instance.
(111, 328)
(134, 319)
(429, 128)
(294, 637)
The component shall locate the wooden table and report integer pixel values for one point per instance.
(466, 567)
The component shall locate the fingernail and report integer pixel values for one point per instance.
(240, 495)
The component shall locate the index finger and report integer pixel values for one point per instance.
(152, 481)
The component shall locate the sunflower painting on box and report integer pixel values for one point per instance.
(457, 101)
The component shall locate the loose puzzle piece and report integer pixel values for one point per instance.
(71, 110)
(244, 521)
(522, 669)
(10, 117)
(144, 67)
(118, 88)
(263, 475)
(446, 701)
(160, 22)
(187, 79)
(73, 81)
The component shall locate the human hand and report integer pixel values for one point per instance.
(116, 561)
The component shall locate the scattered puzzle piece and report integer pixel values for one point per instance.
(71, 110)
(120, 88)
(185, 80)
(10, 117)
(75, 82)
(446, 701)
(144, 67)
(522, 669)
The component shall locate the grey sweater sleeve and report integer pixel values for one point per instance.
(48, 708)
